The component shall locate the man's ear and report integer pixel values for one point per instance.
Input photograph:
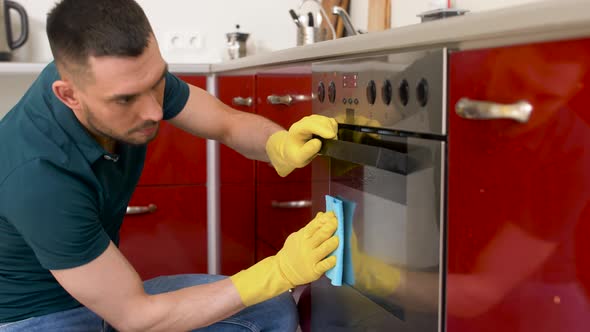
(64, 91)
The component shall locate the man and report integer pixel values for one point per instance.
(72, 151)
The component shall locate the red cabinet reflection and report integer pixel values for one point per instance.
(519, 193)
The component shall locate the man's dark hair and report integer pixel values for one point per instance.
(78, 29)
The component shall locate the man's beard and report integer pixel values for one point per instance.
(108, 134)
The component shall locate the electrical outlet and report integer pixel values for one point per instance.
(183, 40)
(194, 40)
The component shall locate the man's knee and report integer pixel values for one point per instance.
(277, 314)
(284, 311)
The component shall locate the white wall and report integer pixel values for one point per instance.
(267, 21)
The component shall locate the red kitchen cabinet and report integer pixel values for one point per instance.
(282, 209)
(519, 193)
(284, 99)
(263, 250)
(237, 177)
(283, 205)
(237, 227)
(175, 156)
(239, 93)
(173, 239)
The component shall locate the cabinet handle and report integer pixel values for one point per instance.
(131, 210)
(241, 101)
(291, 204)
(485, 110)
(287, 100)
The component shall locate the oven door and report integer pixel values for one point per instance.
(396, 184)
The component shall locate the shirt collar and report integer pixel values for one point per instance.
(89, 147)
(66, 118)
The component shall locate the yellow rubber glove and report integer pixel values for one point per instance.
(359, 120)
(296, 148)
(341, 167)
(372, 276)
(301, 260)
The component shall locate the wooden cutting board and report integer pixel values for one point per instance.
(379, 15)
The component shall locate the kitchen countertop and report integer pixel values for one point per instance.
(556, 19)
(187, 68)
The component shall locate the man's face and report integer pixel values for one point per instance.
(123, 101)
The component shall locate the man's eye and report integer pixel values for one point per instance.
(125, 100)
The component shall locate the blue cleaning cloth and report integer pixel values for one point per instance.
(335, 273)
(348, 208)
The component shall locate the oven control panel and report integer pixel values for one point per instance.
(399, 91)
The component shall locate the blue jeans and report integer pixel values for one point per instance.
(277, 314)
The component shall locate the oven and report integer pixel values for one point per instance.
(389, 161)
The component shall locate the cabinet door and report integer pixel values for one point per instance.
(298, 88)
(281, 210)
(175, 156)
(237, 92)
(198, 81)
(519, 193)
(237, 228)
(171, 240)
(264, 250)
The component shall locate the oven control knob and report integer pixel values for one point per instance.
(404, 92)
(332, 92)
(321, 92)
(387, 92)
(371, 92)
(422, 92)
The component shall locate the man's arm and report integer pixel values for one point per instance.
(254, 136)
(207, 117)
(110, 287)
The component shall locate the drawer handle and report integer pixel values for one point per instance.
(291, 204)
(287, 100)
(485, 110)
(133, 210)
(241, 101)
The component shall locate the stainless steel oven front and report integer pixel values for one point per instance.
(389, 160)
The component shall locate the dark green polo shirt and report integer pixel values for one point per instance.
(62, 196)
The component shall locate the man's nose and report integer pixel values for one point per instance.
(152, 109)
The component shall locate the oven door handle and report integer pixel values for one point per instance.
(379, 157)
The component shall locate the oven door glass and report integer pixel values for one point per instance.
(395, 183)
